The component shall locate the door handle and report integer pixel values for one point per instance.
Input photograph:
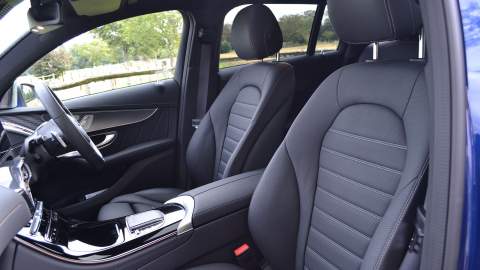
(109, 138)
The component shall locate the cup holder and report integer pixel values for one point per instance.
(91, 242)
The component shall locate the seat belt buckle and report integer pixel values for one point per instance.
(417, 238)
(245, 257)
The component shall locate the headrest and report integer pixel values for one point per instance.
(370, 21)
(256, 33)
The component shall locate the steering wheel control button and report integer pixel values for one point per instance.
(145, 220)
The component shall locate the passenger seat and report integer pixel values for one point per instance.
(244, 125)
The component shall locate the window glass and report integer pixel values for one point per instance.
(327, 38)
(295, 20)
(124, 53)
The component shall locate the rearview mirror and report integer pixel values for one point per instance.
(44, 16)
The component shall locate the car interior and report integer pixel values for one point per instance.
(245, 144)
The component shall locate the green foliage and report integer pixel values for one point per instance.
(94, 53)
(225, 43)
(140, 38)
(54, 63)
(296, 28)
(144, 37)
(327, 33)
(225, 46)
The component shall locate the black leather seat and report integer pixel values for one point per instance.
(244, 125)
(340, 191)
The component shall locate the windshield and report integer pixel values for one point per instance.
(13, 25)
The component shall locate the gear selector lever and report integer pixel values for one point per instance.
(144, 220)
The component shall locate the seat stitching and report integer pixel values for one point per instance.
(411, 93)
(361, 209)
(368, 139)
(235, 127)
(231, 138)
(348, 227)
(335, 243)
(245, 103)
(227, 150)
(355, 182)
(321, 257)
(362, 161)
(240, 115)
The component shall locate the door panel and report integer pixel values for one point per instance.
(141, 123)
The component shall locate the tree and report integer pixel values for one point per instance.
(296, 27)
(54, 63)
(94, 53)
(327, 33)
(226, 44)
(144, 37)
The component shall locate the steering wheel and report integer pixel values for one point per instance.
(72, 131)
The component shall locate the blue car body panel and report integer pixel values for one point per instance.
(470, 252)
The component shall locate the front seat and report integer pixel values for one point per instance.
(244, 125)
(340, 191)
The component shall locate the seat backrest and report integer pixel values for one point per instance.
(337, 193)
(246, 122)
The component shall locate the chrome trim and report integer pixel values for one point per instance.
(188, 204)
(375, 51)
(421, 45)
(75, 249)
(94, 261)
(109, 138)
(37, 218)
(106, 115)
(16, 128)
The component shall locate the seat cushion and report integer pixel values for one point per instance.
(217, 266)
(141, 201)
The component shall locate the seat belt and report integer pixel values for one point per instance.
(203, 78)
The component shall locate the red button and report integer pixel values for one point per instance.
(241, 249)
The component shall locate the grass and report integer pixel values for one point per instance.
(231, 59)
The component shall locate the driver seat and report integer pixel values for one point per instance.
(341, 190)
(245, 123)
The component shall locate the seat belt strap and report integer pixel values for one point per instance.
(203, 82)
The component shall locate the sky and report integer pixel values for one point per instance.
(14, 25)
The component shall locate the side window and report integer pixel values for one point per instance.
(124, 53)
(295, 21)
(327, 40)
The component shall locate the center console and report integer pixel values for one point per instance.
(71, 240)
(194, 223)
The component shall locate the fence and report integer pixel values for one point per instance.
(87, 81)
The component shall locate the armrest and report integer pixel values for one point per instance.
(222, 197)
